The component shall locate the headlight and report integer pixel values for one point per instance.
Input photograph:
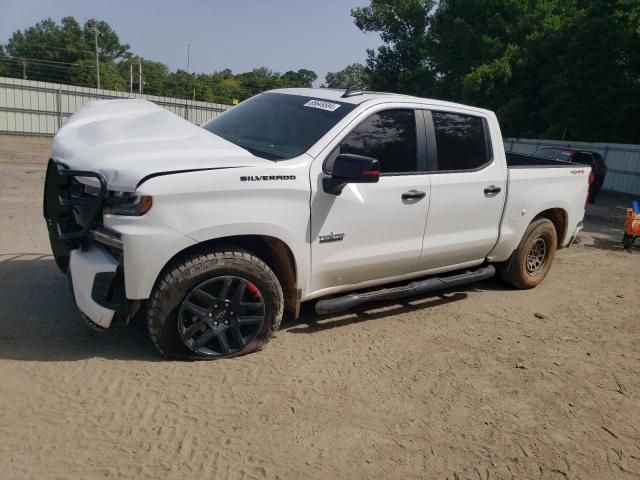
(129, 204)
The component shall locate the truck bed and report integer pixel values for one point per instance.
(539, 184)
(521, 160)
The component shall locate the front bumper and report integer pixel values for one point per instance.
(93, 275)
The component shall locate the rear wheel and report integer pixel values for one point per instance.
(627, 241)
(534, 256)
(216, 305)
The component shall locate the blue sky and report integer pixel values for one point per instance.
(239, 34)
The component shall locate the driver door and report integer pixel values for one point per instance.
(372, 231)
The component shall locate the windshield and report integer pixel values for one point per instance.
(554, 154)
(278, 126)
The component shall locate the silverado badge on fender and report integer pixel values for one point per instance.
(258, 178)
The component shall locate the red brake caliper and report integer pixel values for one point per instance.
(253, 290)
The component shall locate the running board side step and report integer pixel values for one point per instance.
(346, 302)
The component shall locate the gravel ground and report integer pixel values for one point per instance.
(482, 382)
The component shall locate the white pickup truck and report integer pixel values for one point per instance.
(213, 233)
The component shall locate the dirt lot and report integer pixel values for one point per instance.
(422, 389)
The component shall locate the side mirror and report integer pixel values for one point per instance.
(350, 168)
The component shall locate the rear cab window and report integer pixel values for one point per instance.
(554, 154)
(583, 158)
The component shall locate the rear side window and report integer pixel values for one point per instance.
(460, 140)
(388, 136)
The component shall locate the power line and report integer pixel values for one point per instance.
(61, 72)
(38, 60)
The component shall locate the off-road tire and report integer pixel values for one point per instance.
(515, 272)
(188, 272)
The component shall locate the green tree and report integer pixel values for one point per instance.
(47, 40)
(354, 75)
(301, 78)
(225, 87)
(557, 68)
(257, 80)
(155, 75)
(109, 44)
(84, 73)
(65, 53)
(49, 49)
(402, 62)
(4, 63)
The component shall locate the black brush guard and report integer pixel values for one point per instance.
(61, 206)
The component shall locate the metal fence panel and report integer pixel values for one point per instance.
(623, 160)
(40, 108)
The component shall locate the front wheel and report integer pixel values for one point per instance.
(534, 256)
(220, 304)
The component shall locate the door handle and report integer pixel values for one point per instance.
(492, 190)
(413, 195)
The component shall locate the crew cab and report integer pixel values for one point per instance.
(214, 233)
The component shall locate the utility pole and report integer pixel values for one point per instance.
(24, 69)
(188, 62)
(96, 32)
(130, 77)
(140, 76)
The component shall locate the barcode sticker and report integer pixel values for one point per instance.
(322, 105)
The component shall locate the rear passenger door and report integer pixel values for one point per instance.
(468, 188)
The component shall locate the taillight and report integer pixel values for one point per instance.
(592, 179)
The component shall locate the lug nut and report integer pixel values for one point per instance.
(226, 322)
(232, 312)
(210, 315)
(215, 324)
(215, 306)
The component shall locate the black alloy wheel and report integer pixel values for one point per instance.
(221, 316)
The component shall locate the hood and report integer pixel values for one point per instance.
(128, 140)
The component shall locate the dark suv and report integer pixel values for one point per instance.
(583, 157)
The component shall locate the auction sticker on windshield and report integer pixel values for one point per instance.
(322, 105)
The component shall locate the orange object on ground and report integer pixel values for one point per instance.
(632, 223)
(631, 228)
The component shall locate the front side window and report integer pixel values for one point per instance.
(388, 136)
(460, 141)
(278, 126)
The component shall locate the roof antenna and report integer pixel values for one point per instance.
(351, 91)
